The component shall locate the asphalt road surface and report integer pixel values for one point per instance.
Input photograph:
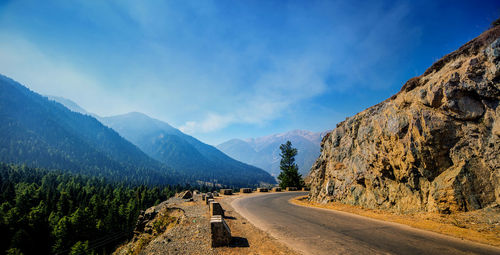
(321, 231)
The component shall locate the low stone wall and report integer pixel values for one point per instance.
(226, 191)
(209, 200)
(291, 188)
(221, 234)
(216, 209)
(262, 189)
(276, 189)
(245, 190)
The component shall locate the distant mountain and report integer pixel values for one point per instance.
(40, 132)
(264, 151)
(69, 104)
(185, 153)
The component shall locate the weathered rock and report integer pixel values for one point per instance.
(276, 189)
(246, 190)
(221, 234)
(434, 146)
(216, 209)
(185, 194)
(146, 219)
(262, 189)
(226, 191)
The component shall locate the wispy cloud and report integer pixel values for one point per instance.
(52, 75)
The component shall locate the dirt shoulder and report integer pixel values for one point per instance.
(482, 226)
(179, 226)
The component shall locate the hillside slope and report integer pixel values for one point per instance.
(264, 151)
(42, 133)
(185, 153)
(434, 146)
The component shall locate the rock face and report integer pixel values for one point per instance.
(434, 146)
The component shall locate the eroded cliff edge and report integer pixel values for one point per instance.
(434, 146)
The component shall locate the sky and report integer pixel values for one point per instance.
(227, 69)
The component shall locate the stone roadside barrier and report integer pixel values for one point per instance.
(209, 200)
(208, 196)
(245, 190)
(305, 189)
(262, 189)
(226, 191)
(276, 189)
(291, 188)
(216, 209)
(221, 234)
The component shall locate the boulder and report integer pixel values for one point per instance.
(185, 194)
(220, 232)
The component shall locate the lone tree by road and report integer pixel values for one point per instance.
(289, 176)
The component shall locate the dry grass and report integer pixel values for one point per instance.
(163, 222)
(482, 226)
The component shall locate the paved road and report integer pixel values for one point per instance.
(320, 231)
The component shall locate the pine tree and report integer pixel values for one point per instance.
(289, 176)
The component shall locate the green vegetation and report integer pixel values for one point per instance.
(45, 212)
(289, 176)
(42, 133)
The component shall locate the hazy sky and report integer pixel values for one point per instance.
(231, 69)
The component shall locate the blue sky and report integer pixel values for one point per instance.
(231, 69)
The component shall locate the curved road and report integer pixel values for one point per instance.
(320, 231)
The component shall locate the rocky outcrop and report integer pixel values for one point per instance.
(434, 146)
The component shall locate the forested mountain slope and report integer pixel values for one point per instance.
(185, 153)
(42, 133)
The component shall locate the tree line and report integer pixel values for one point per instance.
(55, 212)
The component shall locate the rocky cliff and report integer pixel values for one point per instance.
(434, 146)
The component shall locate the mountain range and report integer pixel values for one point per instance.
(55, 133)
(264, 151)
(186, 154)
(40, 132)
(183, 152)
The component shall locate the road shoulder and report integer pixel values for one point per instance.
(480, 227)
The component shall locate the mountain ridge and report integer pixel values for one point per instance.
(169, 145)
(264, 151)
(43, 133)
